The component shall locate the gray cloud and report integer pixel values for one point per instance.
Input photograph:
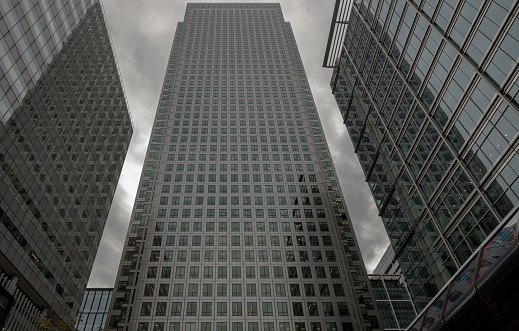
(142, 34)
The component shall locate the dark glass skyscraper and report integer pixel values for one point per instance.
(239, 222)
(64, 132)
(429, 93)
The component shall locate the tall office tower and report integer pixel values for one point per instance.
(239, 222)
(64, 132)
(429, 93)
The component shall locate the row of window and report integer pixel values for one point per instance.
(236, 272)
(235, 213)
(236, 256)
(233, 148)
(295, 290)
(236, 309)
(238, 326)
(234, 167)
(270, 123)
(241, 115)
(237, 240)
(217, 71)
(235, 201)
(236, 226)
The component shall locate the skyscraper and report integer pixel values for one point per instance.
(429, 93)
(64, 132)
(239, 221)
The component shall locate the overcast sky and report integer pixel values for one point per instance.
(142, 34)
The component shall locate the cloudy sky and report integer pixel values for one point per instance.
(142, 34)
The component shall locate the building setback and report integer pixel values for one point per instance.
(94, 309)
(429, 94)
(239, 222)
(64, 132)
(393, 301)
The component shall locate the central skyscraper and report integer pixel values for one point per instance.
(239, 222)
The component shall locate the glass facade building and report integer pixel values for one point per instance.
(429, 93)
(64, 133)
(94, 309)
(239, 222)
(393, 301)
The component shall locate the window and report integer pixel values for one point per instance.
(178, 290)
(328, 309)
(252, 309)
(163, 290)
(250, 272)
(161, 309)
(192, 290)
(267, 308)
(146, 309)
(191, 309)
(222, 272)
(236, 310)
(222, 290)
(236, 290)
(297, 308)
(207, 309)
(207, 290)
(313, 310)
(152, 272)
(176, 308)
(280, 290)
(221, 308)
(166, 272)
(148, 290)
(264, 272)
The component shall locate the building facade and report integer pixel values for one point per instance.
(94, 309)
(393, 301)
(239, 222)
(429, 93)
(64, 132)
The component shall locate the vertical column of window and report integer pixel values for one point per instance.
(371, 53)
(376, 74)
(493, 141)
(423, 64)
(464, 21)
(429, 6)
(370, 13)
(436, 170)
(471, 231)
(423, 149)
(503, 192)
(413, 45)
(391, 101)
(384, 85)
(382, 14)
(488, 27)
(451, 198)
(470, 114)
(393, 18)
(363, 41)
(401, 113)
(438, 75)
(453, 93)
(404, 32)
(505, 57)
(353, 25)
(447, 8)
